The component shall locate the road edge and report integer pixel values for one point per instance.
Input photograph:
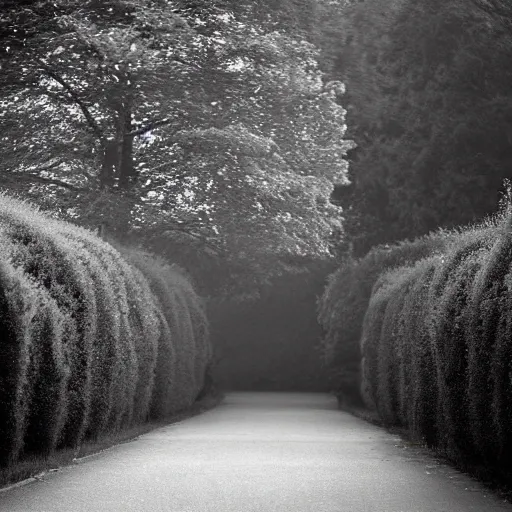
(66, 458)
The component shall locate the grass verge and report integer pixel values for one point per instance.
(34, 467)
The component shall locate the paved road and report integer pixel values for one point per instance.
(259, 452)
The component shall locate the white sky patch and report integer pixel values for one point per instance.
(237, 64)
(226, 17)
(148, 137)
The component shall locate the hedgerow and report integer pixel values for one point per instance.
(448, 317)
(53, 263)
(342, 307)
(372, 327)
(93, 338)
(48, 381)
(500, 373)
(184, 364)
(19, 302)
(486, 304)
(436, 341)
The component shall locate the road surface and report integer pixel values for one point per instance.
(259, 452)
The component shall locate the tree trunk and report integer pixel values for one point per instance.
(110, 163)
(126, 164)
(118, 152)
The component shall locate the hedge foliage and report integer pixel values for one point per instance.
(342, 306)
(436, 343)
(93, 339)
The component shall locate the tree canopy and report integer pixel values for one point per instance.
(195, 122)
(429, 105)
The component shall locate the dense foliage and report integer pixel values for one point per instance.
(92, 340)
(429, 105)
(342, 306)
(435, 342)
(206, 125)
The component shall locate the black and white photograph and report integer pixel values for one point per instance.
(255, 255)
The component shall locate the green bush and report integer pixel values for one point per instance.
(448, 301)
(143, 333)
(436, 341)
(167, 395)
(346, 298)
(48, 376)
(19, 302)
(146, 328)
(93, 340)
(181, 323)
(501, 382)
(54, 263)
(175, 379)
(487, 302)
(370, 340)
(388, 363)
(417, 384)
(106, 348)
(194, 315)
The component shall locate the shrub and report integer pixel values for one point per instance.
(436, 343)
(145, 326)
(146, 332)
(421, 373)
(174, 379)
(448, 298)
(346, 298)
(51, 261)
(106, 347)
(412, 334)
(501, 382)
(182, 328)
(397, 366)
(389, 354)
(487, 301)
(19, 301)
(196, 325)
(48, 378)
(370, 340)
(92, 340)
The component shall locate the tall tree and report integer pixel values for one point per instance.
(429, 107)
(179, 119)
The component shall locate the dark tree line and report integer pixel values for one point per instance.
(430, 107)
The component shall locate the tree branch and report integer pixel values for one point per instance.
(53, 181)
(40, 179)
(185, 63)
(83, 107)
(149, 127)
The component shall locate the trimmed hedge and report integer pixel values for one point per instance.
(93, 338)
(436, 344)
(342, 307)
(418, 388)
